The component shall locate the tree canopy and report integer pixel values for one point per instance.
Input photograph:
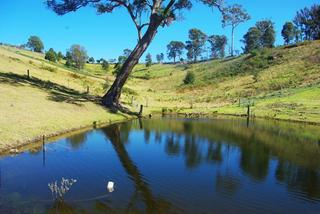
(233, 16)
(76, 56)
(218, 44)
(288, 32)
(51, 55)
(175, 49)
(307, 20)
(195, 44)
(35, 44)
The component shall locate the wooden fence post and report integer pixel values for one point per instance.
(28, 73)
(141, 110)
(88, 89)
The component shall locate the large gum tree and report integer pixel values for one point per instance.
(147, 17)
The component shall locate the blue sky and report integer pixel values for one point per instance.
(108, 34)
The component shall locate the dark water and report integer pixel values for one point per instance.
(171, 166)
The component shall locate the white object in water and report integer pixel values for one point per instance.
(110, 186)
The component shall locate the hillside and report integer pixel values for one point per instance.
(280, 83)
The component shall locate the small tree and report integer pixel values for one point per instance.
(196, 43)
(233, 16)
(148, 60)
(251, 39)
(288, 32)
(35, 44)
(51, 55)
(175, 49)
(218, 45)
(91, 60)
(60, 56)
(105, 65)
(268, 37)
(189, 78)
(159, 58)
(76, 56)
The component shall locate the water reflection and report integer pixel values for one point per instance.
(153, 204)
(172, 166)
(203, 142)
(77, 140)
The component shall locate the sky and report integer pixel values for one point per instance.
(107, 35)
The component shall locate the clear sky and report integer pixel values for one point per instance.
(108, 34)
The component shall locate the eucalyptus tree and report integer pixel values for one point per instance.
(233, 16)
(288, 32)
(35, 44)
(148, 60)
(195, 44)
(147, 17)
(175, 49)
(218, 45)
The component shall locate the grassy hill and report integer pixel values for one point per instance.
(280, 83)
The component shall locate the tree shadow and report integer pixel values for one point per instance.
(57, 93)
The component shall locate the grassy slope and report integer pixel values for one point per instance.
(283, 83)
(33, 107)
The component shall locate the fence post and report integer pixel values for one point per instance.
(141, 110)
(248, 111)
(28, 73)
(88, 89)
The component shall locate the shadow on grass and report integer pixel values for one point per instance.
(57, 93)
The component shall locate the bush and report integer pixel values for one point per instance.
(189, 79)
(51, 55)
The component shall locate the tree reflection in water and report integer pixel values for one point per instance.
(153, 204)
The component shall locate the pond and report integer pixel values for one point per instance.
(170, 165)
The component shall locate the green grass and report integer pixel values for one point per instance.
(283, 83)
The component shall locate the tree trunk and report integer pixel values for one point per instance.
(232, 41)
(112, 98)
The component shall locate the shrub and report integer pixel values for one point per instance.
(51, 55)
(190, 78)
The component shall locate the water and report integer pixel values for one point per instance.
(171, 166)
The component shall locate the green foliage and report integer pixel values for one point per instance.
(288, 32)
(189, 78)
(233, 16)
(148, 60)
(260, 36)
(266, 28)
(252, 39)
(117, 67)
(51, 55)
(76, 57)
(218, 45)
(196, 44)
(160, 57)
(60, 56)
(91, 60)
(253, 64)
(175, 49)
(105, 65)
(307, 22)
(35, 44)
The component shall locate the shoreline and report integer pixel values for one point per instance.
(18, 146)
